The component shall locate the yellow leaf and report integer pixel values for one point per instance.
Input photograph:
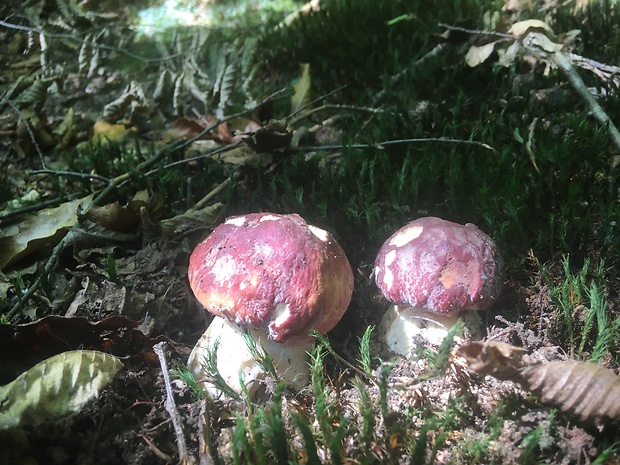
(522, 28)
(301, 97)
(476, 55)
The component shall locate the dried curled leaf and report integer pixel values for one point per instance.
(55, 387)
(502, 361)
(589, 391)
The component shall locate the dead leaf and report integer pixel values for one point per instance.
(23, 346)
(509, 55)
(56, 387)
(103, 131)
(497, 359)
(301, 96)
(589, 391)
(116, 217)
(538, 40)
(522, 28)
(479, 54)
(209, 215)
(245, 156)
(47, 225)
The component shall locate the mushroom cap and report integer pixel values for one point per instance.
(275, 272)
(439, 266)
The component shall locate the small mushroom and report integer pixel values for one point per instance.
(275, 277)
(431, 270)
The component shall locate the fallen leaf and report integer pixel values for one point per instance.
(56, 387)
(301, 96)
(47, 225)
(479, 54)
(117, 217)
(522, 28)
(103, 131)
(589, 391)
(24, 345)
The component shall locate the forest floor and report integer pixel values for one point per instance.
(121, 151)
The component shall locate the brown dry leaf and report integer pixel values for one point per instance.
(19, 240)
(183, 128)
(479, 54)
(497, 359)
(589, 391)
(245, 156)
(116, 217)
(191, 128)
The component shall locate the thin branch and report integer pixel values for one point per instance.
(533, 43)
(171, 408)
(5, 215)
(30, 133)
(326, 107)
(501, 35)
(381, 145)
(74, 174)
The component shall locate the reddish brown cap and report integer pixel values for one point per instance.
(276, 272)
(439, 266)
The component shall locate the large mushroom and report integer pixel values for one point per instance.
(275, 277)
(432, 271)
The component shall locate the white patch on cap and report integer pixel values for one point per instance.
(406, 235)
(238, 221)
(223, 269)
(269, 218)
(388, 276)
(281, 314)
(318, 232)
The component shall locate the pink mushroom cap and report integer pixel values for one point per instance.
(440, 267)
(275, 272)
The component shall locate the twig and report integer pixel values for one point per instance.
(30, 133)
(325, 107)
(207, 198)
(380, 145)
(394, 80)
(477, 31)
(534, 43)
(5, 215)
(223, 149)
(51, 261)
(156, 450)
(204, 434)
(171, 408)
(74, 174)
(309, 104)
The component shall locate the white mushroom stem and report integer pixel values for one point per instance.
(235, 361)
(404, 328)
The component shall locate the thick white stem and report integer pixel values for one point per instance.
(404, 328)
(233, 357)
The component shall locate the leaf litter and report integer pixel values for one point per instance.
(130, 286)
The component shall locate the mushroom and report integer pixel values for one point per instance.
(276, 277)
(431, 270)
